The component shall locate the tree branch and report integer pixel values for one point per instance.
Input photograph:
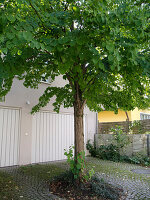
(38, 16)
(83, 103)
(69, 79)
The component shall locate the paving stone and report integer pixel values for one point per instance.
(136, 189)
(32, 188)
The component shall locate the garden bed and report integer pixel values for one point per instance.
(66, 187)
(66, 190)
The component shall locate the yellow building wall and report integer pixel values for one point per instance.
(110, 116)
(135, 114)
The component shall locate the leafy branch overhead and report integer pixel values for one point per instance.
(100, 47)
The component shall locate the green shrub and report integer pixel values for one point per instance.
(111, 152)
(139, 159)
(136, 126)
(120, 138)
(92, 148)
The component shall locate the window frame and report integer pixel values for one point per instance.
(144, 116)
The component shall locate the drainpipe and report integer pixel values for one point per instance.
(148, 145)
(96, 123)
(95, 136)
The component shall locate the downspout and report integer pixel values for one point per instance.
(96, 135)
(97, 123)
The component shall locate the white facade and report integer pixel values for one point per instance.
(26, 138)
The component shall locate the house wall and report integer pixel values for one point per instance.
(135, 114)
(110, 116)
(19, 95)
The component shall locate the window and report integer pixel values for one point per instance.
(144, 116)
(2, 99)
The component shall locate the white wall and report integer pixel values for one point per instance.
(19, 95)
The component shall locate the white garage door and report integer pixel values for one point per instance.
(9, 136)
(51, 134)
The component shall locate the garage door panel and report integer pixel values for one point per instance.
(53, 134)
(9, 136)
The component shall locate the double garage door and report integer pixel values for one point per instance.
(51, 134)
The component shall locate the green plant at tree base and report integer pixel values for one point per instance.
(77, 166)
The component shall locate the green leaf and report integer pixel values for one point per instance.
(11, 18)
(95, 60)
(27, 36)
(10, 35)
(101, 65)
(78, 166)
(1, 38)
(4, 50)
(110, 57)
(110, 46)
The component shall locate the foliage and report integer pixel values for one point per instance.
(77, 166)
(100, 47)
(103, 189)
(139, 159)
(112, 152)
(109, 152)
(91, 148)
(136, 124)
(120, 137)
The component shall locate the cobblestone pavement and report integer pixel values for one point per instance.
(30, 187)
(136, 186)
(135, 189)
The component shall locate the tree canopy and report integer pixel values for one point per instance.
(100, 46)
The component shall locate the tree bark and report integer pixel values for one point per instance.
(78, 122)
(78, 128)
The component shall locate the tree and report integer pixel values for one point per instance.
(100, 47)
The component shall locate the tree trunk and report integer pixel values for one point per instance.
(78, 128)
(78, 122)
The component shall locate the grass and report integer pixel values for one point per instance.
(8, 188)
(43, 171)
